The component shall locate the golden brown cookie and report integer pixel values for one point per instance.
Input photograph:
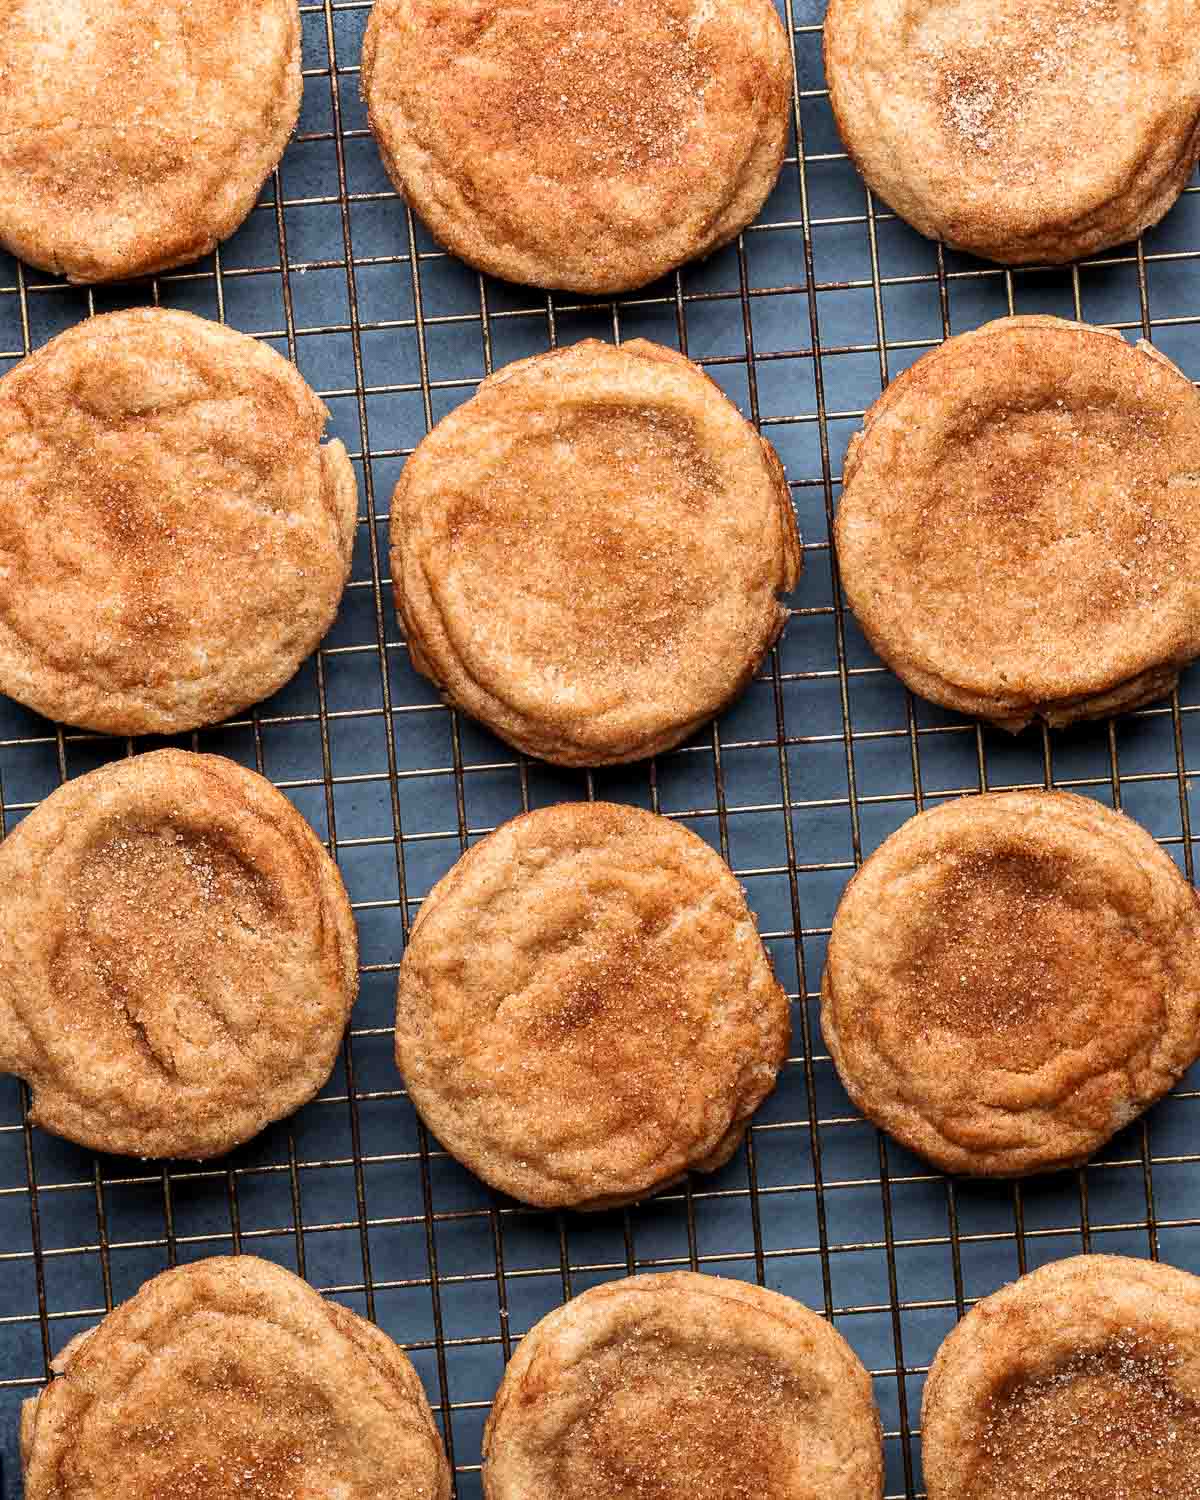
(1081, 1380)
(585, 1009)
(588, 555)
(174, 538)
(1019, 520)
(683, 1387)
(1020, 130)
(231, 1377)
(592, 147)
(137, 135)
(178, 957)
(1011, 978)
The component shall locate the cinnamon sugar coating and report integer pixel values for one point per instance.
(136, 135)
(1011, 978)
(587, 555)
(231, 1377)
(1019, 130)
(174, 537)
(590, 147)
(683, 1387)
(178, 957)
(1019, 519)
(585, 1009)
(1079, 1380)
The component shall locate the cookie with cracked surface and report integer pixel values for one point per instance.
(174, 537)
(683, 1387)
(232, 1377)
(1081, 1379)
(1045, 129)
(1018, 521)
(136, 136)
(593, 148)
(585, 1009)
(1011, 979)
(587, 556)
(178, 958)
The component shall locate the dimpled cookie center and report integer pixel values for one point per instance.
(1003, 957)
(1002, 74)
(1109, 1424)
(161, 956)
(600, 1029)
(573, 89)
(232, 1428)
(605, 1048)
(1045, 521)
(597, 529)
(693, 1422)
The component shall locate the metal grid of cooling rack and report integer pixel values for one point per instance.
(802, 322)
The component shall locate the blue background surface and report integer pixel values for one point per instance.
(802, 323)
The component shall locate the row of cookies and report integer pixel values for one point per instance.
(231, 1376)
(601, 152)
(175, 538)
(597, 151)
(585, 1010)
(588, 554)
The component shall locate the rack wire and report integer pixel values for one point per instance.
(802, 322)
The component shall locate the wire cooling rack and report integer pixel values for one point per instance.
(802, 323)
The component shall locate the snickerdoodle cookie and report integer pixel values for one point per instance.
(1011, 978)
(683, 1387)
(232, 1377)
(594, 147)
(174, 537)
(588, 554)
(1019, 522)
(178, 957)
(1020, 130)
(137, 135)
(585, 1008)
(1080, 1380)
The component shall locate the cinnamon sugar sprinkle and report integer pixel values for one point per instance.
(597, 521)
(672, 1421)
(983, 93)
(620, 85)
(1109, 1424)
(993, 965)
(1074, 490)
(618, 1014)
(235, 1432)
